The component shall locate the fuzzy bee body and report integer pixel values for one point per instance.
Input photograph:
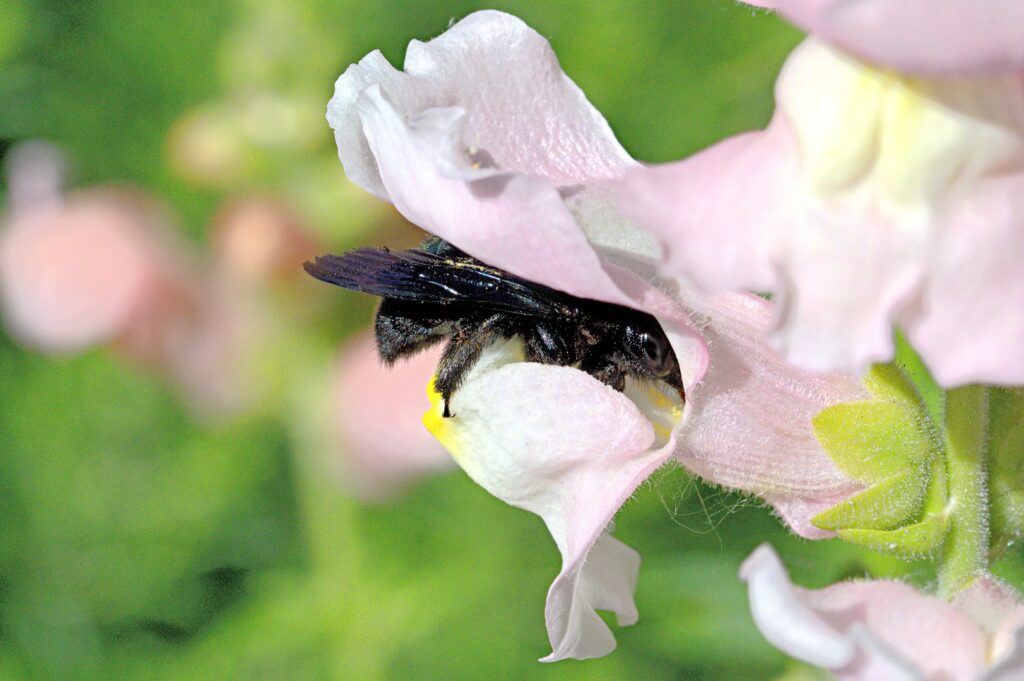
(436, 293)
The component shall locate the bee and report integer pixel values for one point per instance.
(436, 293)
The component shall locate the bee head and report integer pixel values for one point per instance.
(650, 351)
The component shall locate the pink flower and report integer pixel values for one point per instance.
(101, 267)
(868, 630)
(258, 239)
(873, 197)
(376, 411)
(484, 141)
(73, 270)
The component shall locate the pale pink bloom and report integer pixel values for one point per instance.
(872, 198)
(101, 267)
(867, 630)
(484, 141)
(376, 414)
(917, 36)
(257, 239)
(73, 271)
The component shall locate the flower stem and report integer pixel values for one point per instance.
(965, 551)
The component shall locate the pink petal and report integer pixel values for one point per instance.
(930, 634)
(749, 420)
(863, 630)
(990, 602)
(716, 213)
(376, 415)
(604, 577)
(512, 221)
(72, 274)
(925, 36)
(785, 619)
(847, 274)
(739, 216)
(520, 107)
(557, 442)
(970, 326)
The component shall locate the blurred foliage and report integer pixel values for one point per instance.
(138, 543)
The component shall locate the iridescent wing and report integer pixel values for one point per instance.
(441, 279)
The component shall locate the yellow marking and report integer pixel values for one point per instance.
(441, 428)
(662, 410)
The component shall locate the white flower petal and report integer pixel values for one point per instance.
(785, 620)
(606, 580)
(555, 441)
(861, 631)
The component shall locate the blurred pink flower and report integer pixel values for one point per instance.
(73, 273)
(861, 631)
(484, 141)
(376, 414)
(259, 239)
(873, 197)
(101, 267)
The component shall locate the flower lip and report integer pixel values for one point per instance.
(508, 431)
(658, 402)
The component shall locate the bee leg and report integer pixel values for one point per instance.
(608, 372)
(462, 352)
(402, 330)
(547, 346)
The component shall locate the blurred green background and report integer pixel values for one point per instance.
(141, 541)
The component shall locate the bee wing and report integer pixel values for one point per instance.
(431, 278)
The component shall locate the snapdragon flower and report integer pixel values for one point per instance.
(888, 188)
(485, 142)
(873, 629)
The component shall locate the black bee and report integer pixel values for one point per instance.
(438, 293)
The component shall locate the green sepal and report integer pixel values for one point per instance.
(885, 506)
(1006, 465)
(873, 440)
(908, 542)
(890, 443)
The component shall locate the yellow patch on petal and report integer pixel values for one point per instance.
(660, 404)
(441, 428)
(905, 142)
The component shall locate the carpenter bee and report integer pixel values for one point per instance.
(437, 293)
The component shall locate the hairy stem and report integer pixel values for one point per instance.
(965, 551)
